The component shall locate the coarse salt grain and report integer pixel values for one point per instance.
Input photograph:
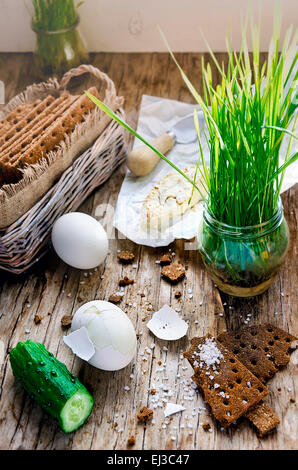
(209, 353)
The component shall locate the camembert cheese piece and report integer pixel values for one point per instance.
(170, 198)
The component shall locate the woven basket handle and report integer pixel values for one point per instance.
(110, 90)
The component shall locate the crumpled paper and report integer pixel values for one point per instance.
(156, 116)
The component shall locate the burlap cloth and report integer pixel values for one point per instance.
(18, 198)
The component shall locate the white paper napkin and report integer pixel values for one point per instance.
(158, 115)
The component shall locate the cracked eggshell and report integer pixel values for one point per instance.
(172, 408)
(80, 344)
(110, 331)
(166, 324)
(80, 240)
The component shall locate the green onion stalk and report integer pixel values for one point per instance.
(59, 43)
(247, 115)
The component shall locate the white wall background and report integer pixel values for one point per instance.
(130, 25)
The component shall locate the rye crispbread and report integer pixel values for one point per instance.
(263, 418)
(15, 116)
(228, 386)
(32, 121)
(35, 134)
(263, 349)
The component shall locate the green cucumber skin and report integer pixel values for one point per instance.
(44, 378)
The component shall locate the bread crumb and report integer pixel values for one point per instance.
(125, 281)
(174, 272)
(165, 259)
(131, 441)
(37, 319)
(126, 257)
(115, 299)
(206, 427)
(66, 321)
(145, 415)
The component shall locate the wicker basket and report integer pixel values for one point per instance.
(25, 241)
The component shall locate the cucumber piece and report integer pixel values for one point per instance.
(50, 383)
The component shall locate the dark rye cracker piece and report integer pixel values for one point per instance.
(174, 272)
(263, 418)
(229, 387)
(263, 349)
(126, 256)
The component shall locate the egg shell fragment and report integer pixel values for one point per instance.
(80, 344)
(166, 324)
(172, 408)
(110, 331)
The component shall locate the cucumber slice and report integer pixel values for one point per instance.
(75, 411)
(50, 383)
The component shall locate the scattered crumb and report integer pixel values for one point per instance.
(165, 259)
(49, 313)
(115, 299)
(126, 257)
(174, 272)
(206, 427)
(125, 281)
(37, 319)
(66, 321)
(152, 391)
(292, 400)
(142, 294)
(145, 415)
(178, 294)
(131, 441)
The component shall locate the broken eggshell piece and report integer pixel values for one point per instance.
(79, 342)
(172, 408)
(166, 324)
(110, 331)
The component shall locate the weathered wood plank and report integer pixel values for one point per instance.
(53, 289)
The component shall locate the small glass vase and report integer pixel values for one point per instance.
(243, 261)
(58, 51)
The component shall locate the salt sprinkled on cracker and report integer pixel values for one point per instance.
(209, 353)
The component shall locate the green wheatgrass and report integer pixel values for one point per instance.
(53, 15)
(247, 116)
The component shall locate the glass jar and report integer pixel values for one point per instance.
(58, 51)
(243, 261)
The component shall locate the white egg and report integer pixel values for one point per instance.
(110, 331)
(80, 240)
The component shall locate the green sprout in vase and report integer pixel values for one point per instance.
(247, 116)
(59, 44)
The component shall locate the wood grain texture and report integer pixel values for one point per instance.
(53, 289)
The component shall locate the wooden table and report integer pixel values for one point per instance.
(53, 289)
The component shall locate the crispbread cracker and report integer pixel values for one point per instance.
(263, 349)
(228, 386)
(40, 128)
(263, 418)
(15, 116)
(44, 128)
(28, 123)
